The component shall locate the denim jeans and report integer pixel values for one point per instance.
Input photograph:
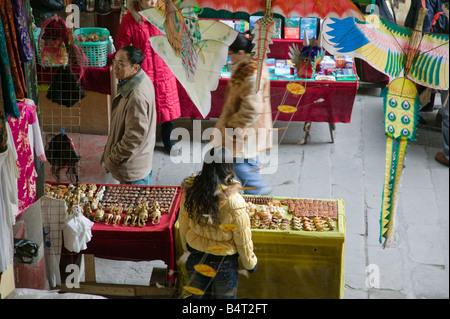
(145, 181)
(166, 130)
(247, 171)
(223, 285)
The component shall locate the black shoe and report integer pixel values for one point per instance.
(422, 120)
(173, 149)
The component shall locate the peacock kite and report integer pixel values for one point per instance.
(409, 57)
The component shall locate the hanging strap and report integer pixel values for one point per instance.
(372, 7)
(392, 9)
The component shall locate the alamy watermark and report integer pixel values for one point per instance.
(373, 276)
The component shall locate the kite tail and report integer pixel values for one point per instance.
(395, 156)
(262, 33)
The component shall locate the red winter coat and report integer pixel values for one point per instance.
(165, 83)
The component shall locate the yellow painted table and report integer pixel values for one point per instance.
(294, 264)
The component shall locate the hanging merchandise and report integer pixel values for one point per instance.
(77, 230)
(44, 9)
(61, 153)
(20, 129)
(22, 31)
(103, 7)
(53, 41)
(58, 47)
(9, 201)
(65, 88)
(195, 50)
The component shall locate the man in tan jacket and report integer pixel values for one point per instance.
(128, 153)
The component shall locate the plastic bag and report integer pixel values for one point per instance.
(25, 250)
(77, 230)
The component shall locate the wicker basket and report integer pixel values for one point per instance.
(96, 52)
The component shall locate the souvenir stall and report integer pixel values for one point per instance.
(299, 244)
(120, 222)
(325, 88)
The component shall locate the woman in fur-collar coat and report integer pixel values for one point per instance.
(245, 124)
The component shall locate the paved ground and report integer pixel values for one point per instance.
(352, 168)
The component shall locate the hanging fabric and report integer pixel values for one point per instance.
(23, 35)
(25, 162)
(7, 17)
(8, 201)
(77, 230)
(8, 94)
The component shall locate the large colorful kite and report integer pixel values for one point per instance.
(408, 56)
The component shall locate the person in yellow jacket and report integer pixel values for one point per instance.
(215, 228)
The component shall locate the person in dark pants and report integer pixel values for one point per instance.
(435, 22)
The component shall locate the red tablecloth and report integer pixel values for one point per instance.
(152, 242)
(337, 108)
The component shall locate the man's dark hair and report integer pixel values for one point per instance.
(135, 55)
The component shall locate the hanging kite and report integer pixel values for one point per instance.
(195, 50)
(395, 51)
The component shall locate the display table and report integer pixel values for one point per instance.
(337, 106)
(135, 241)
(293, 264)
(152, 242)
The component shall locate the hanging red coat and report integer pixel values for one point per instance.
(138, 34)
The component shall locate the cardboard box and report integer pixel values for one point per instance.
(292, 28)
(310, 26)
(241, 25)
(278, 24)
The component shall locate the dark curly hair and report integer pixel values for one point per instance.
(201, 191)
(242, 42)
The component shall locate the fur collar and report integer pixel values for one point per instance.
(133, 7)
(243, 69)
(223, 192)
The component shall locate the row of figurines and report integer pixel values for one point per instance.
(138, 216)
(296, 223)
